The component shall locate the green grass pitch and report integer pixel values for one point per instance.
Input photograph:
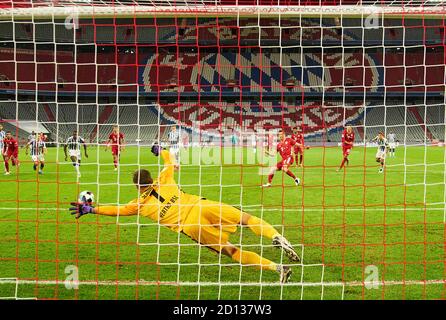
(350, 225)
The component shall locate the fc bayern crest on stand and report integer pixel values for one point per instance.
(263, 70)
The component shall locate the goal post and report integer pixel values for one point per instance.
(215, 82)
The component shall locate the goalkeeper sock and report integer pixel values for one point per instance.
(42, 165)
(261, 227)
(252, 258)
(301, 159)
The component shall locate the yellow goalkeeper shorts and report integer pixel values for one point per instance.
(210, 223)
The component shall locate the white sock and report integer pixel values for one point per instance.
(77, 168)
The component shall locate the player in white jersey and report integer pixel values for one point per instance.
(32, 136)
(270, 141)
(2, 135)
(73, 145)
(38, 150)
(383, 148)
(254, 142)
(391, 138)
(174, 145)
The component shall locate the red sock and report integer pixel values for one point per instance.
(270, 177)
(291, 175)
(7, 166)
(342, 163)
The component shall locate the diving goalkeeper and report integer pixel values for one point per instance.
(208, 222)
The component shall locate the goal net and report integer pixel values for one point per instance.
(215, 82)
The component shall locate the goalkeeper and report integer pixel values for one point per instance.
(207, 222)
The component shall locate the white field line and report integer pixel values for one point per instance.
(227, 284)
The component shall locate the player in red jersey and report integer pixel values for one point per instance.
(116, 141)
(285, 149)
(10, 151)
(348, 137)
(43, 137)
(299, 147)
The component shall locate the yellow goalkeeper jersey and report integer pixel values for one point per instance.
(163, 201)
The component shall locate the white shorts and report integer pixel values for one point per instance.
(75, 153)
(38, 158)
(175, 152)
(392, 145)
(381, 154)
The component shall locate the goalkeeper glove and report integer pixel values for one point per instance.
(79, 209)
(156, 149)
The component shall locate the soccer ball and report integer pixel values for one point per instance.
(86, 197)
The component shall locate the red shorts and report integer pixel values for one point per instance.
(10, 155)
(346, 150)
(285, 162)
(298, 150)
(115, 151)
